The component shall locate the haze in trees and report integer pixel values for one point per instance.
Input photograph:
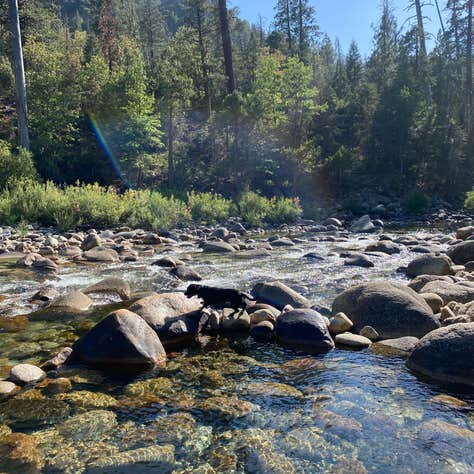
(185, 95)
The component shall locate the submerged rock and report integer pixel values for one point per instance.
(391, 308)
(122, 339)
(446, 355)
(90, 426)
(359, 260)
(19, 453)
(304, 329)
(279, 295)
(74, 301)
(149, 459)
(229, 407)
(8, 389)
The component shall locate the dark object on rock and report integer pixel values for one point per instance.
(304, 329)
(359, 260)
(121, 340)
(45, 295)
(219, 297)
(446, 355)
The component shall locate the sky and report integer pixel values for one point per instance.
(342, 19)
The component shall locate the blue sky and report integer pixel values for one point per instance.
(344, 19)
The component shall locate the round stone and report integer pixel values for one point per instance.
(24, 374)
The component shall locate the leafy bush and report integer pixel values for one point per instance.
(92, 205)
(209, 208)
(469, 202)
(416, 202)
(256, 209)
(253, 208)
(15, 166)
(283, 211)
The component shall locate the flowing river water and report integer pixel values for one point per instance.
(234, 405)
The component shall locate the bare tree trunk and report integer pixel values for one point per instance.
(423, 70)
(301, 29)
(469, 71)
(21, 103)
(227, 46)
(204, 67)
(288, 27)
(171, 146)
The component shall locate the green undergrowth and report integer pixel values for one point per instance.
(92, 205)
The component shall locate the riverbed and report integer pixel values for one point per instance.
(232, 404)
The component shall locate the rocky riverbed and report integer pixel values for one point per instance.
(358, 355)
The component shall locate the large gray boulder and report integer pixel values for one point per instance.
(462, 292)
(304, 329)
(173, 316)
(446, 355)
(121, 340)
(101, 254)
(362, 225)
(218, 247)
(74, 301)
(391, 308)
(462, 253)
(419, 282)
(112, 285)
(430, 265)
(279, 295)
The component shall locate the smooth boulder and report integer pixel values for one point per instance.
(279, 295)
(446, 355)
(462, 292)
(122, 339)
(391, 308)
(429, 265)
(173, 316)
(304, 329)
(462, 253)
(112, 285)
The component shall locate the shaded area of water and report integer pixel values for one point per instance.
(235, 405)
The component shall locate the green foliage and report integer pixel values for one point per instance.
(15, 166)
(416, 202)
(209, 207)
(469, 202)
(257, 210)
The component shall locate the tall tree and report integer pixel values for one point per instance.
(227, 46)
(469, 71)
(283, 22)
(304, 26)
(108, 32)
(21, 102)
(423, 73)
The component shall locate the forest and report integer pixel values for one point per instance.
(184, 96)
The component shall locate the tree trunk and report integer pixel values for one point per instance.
(469, 71)
(204, 67)
(301, 28)
(288, 27)
(227, 46)
(21, 103)
(171, 146)
(423, 62)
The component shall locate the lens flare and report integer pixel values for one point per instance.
(105, 143)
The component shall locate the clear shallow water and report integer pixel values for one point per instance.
(235, 405)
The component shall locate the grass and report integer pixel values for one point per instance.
(91, 205)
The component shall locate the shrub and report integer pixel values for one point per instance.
(209, 208)
(416, 202)
(469, 202)
(284, 211)
(253, 208)
(15, 166)
(167, 212)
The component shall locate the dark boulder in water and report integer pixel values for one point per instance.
(304, 329)
(122, 339)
